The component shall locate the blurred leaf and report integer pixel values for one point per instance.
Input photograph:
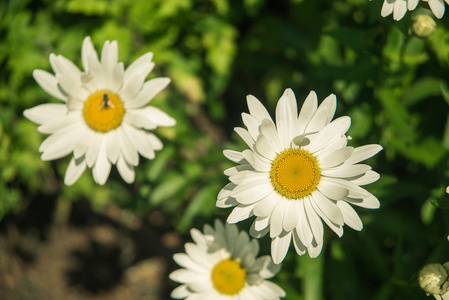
(172, 183)
(427, 212)
(201, 205)
(415, 52)
(422, 89)
(442, 202)
(445, 92)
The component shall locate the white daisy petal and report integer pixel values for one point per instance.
(335, 158)
(265, 206)
(240, 213)
(125, 169)
(256, 161)
(256, 108)
(234, 156)
(296, 173)
(261, 223)
(350, 216)
(337, 228)
(49, 83)
(368, 202)
(252, 124)
(299, 246)
(332, 131)
(387, 8)
(286, 117)
(307, 111)
(102, 166)
(43, 113)
(109, 56)
(367, 178)
(180, 292)
(149, 89)
(329, 208)
(268, 129)
(87, 51)
(346, 171)
(258, 234)
(303, 230)
(277, 218)
(332, 190)
(315, 249)
(58, 145)
(127, 149)
(141, 66)
(251, 192)
(117, 79)
(291, 216)
(246, 137)
(411, 4)
(279, 247)
(437, 7)
(362, 153)
(74, 170)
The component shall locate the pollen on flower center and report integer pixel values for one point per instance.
(295, 173)
(103, 111)
(228, 277)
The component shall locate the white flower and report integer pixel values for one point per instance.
(222, 265)
(104, 119)
(398, 8)
(297, 174)
(433, 279)
(437, 7)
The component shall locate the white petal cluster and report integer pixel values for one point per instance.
(251, 191)
(213, 246)
(399, 7)
(67, 127)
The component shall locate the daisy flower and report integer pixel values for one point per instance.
(296, 174)
(222, 264)
(437, 7)
(104, 118)
(398, 8)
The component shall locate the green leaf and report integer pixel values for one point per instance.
(422, 89)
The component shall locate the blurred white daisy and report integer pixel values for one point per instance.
(104, 119)
(222, 264)
(433, 279)
(437, 7)
(296, 174)
(398, 8)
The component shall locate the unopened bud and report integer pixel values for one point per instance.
(433, 279)
(423, 25)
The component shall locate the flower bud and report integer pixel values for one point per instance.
(423, 25)
(433, 279)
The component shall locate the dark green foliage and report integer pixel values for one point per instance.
(391, 83)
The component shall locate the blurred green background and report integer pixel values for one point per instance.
(392, 83)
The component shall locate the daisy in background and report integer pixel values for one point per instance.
(398, 8)
(103, 119)
(222, 264)
(296, 174)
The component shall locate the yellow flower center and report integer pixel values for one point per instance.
(103, 111)
(228, 277)
(295, 173)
